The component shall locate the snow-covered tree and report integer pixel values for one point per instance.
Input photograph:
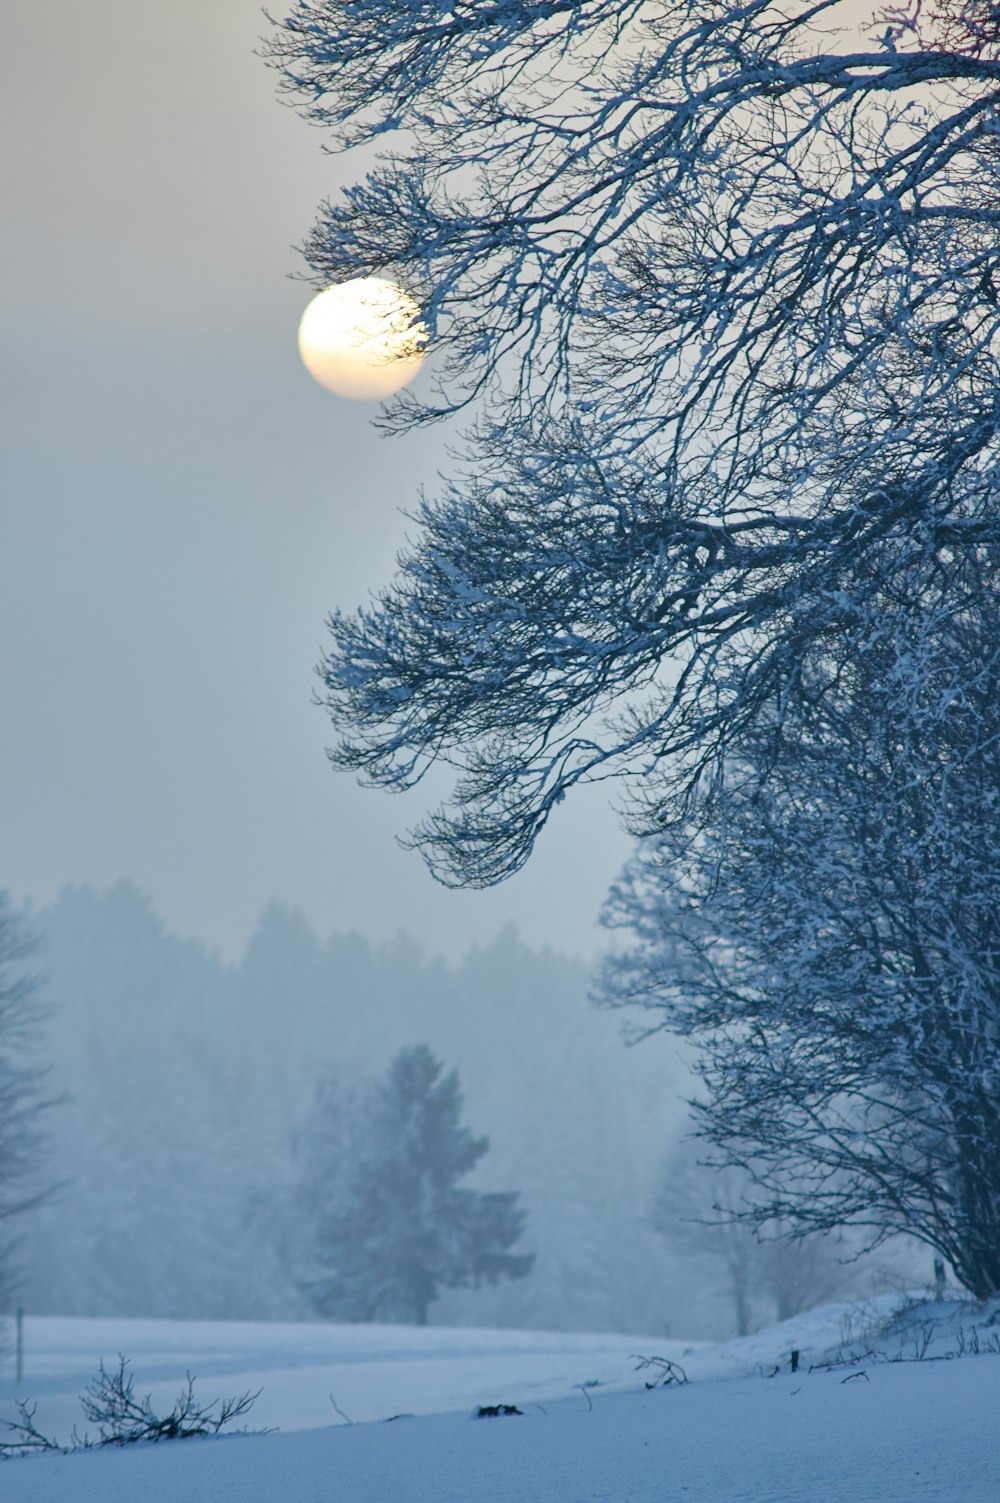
(720, 280)
(826, 923)
(391, 1226)
(22, 1090)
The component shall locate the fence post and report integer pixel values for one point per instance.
(20, 1342)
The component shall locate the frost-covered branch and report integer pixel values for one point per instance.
(826, 923)
(722, 282)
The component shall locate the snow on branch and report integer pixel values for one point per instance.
(721, 286)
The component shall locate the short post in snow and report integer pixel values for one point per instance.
(19, 1343)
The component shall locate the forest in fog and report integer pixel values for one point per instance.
(184, 1090)
(182, 1083)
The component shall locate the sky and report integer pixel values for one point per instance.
(182, 506)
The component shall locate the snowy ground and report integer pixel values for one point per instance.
(876, 1428)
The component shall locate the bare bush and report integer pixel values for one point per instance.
(110, 1403)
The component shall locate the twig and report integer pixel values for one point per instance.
(337, 1410)
(667, 1372)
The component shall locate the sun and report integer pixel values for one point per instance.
(363, 339)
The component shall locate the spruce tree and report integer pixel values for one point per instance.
(394, 1227)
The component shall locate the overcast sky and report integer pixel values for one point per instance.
(182, 504)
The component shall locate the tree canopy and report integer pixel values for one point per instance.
(717, 283)
(718, 287)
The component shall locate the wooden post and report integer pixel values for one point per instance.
(20, 1343)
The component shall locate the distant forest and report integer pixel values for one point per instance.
(183, 1082)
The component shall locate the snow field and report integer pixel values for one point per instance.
(373, 1371)
(876, 1431)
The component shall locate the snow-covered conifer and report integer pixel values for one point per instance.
(380, 1179)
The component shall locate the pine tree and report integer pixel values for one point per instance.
(393, 1227)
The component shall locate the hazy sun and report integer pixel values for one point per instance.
(363, 338)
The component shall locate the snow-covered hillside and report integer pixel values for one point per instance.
(868, 1424)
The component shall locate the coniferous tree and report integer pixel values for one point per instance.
(393, 1226)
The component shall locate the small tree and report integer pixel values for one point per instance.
(697, 1210)
(21, 1088)
(392, 1227)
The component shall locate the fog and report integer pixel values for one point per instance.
(184, 1083)
(183, 506)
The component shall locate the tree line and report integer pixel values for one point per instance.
(183, 1089)
(178, 1159)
